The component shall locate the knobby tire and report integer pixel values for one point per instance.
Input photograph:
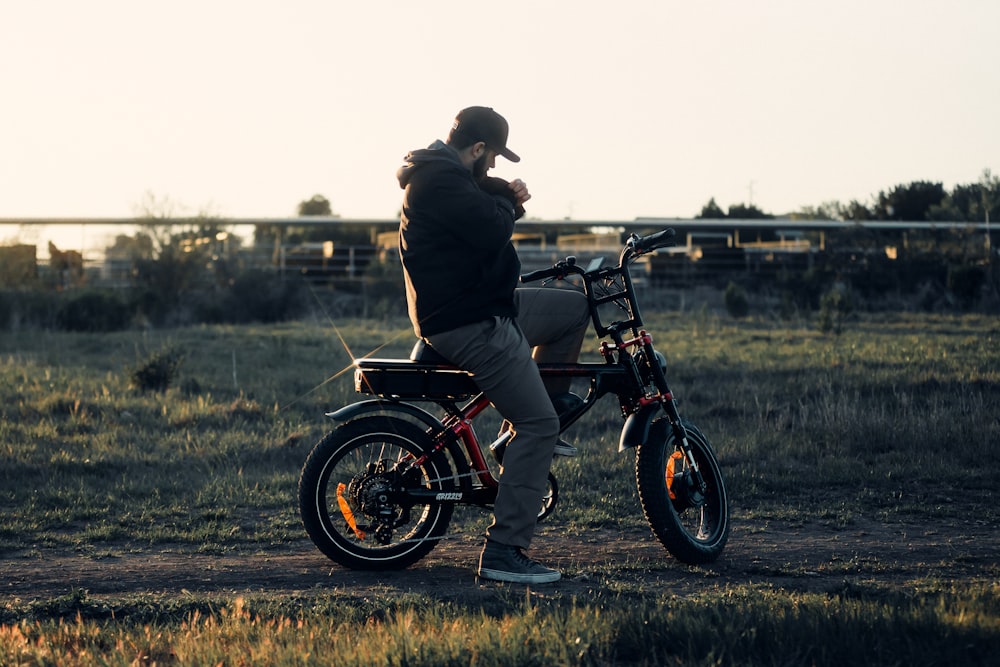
(342, 458)
(693, 534)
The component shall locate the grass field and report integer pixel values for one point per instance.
(893, 425)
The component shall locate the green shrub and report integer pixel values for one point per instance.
(834, 308)
(6, 310)
(27, 309)
(384, 295)
(737, 304)
(966, 283)
(94, 311)
(158, 372)
(261, 296)
(804, 290)
(150, 304)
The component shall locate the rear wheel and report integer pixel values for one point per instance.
(352, 494)
(693, 524)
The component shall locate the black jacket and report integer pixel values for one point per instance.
(459, 264)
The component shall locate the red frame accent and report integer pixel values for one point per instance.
(659, 398)
(461, 426)
(607, 349)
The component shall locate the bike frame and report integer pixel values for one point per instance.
(640, 398)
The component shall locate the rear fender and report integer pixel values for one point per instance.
(376, 405)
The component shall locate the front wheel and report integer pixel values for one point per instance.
(353, 500)
(693, 524)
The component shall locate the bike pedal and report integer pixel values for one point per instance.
(499, 446)
(563, 448)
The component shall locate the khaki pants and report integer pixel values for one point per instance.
(499, 353)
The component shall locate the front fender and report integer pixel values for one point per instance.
(636, 428)
(379, 405)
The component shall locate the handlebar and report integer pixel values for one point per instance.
(559, 270)
(634, 246)
(644, 244)
(609, 285)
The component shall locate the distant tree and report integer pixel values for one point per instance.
(318, 205)
(152, 207)
(990, 190)
(912, 201)
(855, 211)
(127, 247)
(711, 211)
(826, 211)
(174, 255)
(971, 202)
(276, 235)
(195, 255)
(748, 212)
(963, 203)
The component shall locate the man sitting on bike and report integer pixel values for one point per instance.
(461, 270)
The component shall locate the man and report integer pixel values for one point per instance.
(461, 271)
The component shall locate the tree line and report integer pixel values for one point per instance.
(916, 201)
(198, 273)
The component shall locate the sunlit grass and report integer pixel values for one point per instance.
(835, 426)
(895, 420)
(732, 626)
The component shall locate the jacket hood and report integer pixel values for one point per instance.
(437, 152)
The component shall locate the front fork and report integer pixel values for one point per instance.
(680, 434)
(669, 405)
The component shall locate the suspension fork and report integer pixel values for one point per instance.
(669, 405)
(680, 433)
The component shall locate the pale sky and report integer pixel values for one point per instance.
(618, 109)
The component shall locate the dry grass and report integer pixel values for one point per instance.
(894, 420)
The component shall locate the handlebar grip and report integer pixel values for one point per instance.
(559, 270)
(657, 240)
(541, 274)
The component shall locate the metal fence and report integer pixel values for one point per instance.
(706, 250)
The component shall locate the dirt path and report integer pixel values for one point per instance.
(806, 558)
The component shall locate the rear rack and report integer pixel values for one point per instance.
(408, 379)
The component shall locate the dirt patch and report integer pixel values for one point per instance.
(811, 557)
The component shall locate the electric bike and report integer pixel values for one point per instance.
(378, 492)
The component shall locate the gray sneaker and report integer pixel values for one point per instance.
(500, 562)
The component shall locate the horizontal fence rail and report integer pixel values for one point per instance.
(706, 250)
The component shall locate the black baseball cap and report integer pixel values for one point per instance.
(484, 124)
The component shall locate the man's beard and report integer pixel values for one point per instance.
(480, 167)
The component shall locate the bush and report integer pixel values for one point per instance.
(804, 290)
(259, 296)
(27, 309)
(158, 372)
(737, 304)
(965, 283)
(254, 296)
(834, 308)
(384, 294)
(6, 310)
(94, 311)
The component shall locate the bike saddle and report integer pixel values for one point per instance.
(425, 353)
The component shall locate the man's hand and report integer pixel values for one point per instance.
(520, 190)
(516, 192)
